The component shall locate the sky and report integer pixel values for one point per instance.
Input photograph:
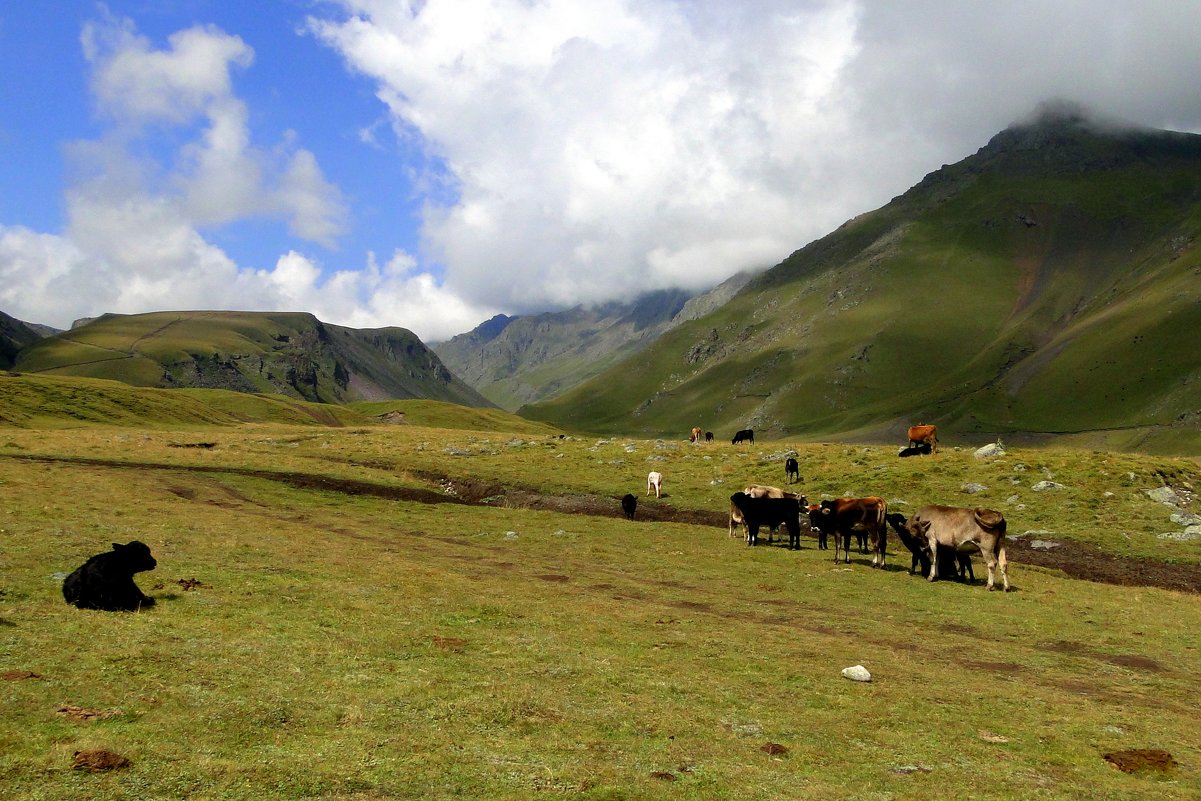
(431, 163)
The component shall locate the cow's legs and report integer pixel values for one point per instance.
(998, 560)
(752, 532)
(933, 543)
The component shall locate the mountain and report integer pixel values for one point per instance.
(518, 360)
(291, 354)
(1046, 284)
(15, 335)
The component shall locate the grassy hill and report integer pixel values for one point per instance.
(1046, 284)
(291, 354)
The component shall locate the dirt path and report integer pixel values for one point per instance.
(1075, 559)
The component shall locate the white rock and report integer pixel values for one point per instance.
(972, 489)
(1164, 495)
(1044, 545)
(857, 673)
(992, 449)
(1043, 486)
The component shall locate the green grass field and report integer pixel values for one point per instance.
(346, 643)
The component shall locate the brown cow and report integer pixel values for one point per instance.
(923, 435)
(857, 514)
(964, 530)
(696, 434)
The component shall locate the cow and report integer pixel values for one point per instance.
(654, 483)
(924, 434)
(771, 512)
(964, 530)
(923, 449)
(952, 562)
(696, 434)
(628, 504)
(708, 436)
(850, 515)
(761, 491)
(824, 525)
(792, 470)
(745, 435)
(105, 581)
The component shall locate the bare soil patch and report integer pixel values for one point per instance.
(98, 760)
(1140, 760)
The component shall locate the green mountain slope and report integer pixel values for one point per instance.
(15, 335)
(291, 354)
(1049, 283)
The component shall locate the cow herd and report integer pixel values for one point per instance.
(940, 539)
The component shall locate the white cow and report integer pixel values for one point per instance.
(654, 483)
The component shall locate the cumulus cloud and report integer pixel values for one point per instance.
(599, 148)
(568, 152)
(134, 239)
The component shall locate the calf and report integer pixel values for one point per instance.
(964, 530)
(915, 450)
(628, 504)
(654, 483)
(792, 470)
(745, 435)
(105, 581)
(758, 512)
(708, 436)
(844, 516)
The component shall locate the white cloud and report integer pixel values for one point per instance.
(134, 240)
(599, 148)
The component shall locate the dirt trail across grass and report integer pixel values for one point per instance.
(1075, 559)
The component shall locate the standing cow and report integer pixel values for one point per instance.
(844, 516)
(629, 504)
(965, 530)
(953, 563)
(771, 512)
(654, 483)
(696, 434)
(708, 436)
(924, 435)
(792, 470)
(745, 435)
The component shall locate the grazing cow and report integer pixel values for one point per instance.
(628, 504)
(857, 514)
(949, 562)
(745, 435)
(696, 435)
(654, 483)
(792, 470)
(771, 512)
(965, 530)
(105, 581)
(924, 434)
(708, 436)
(915, 450)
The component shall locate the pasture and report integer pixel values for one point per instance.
(382, 612)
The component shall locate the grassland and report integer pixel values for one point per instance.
(358, 631)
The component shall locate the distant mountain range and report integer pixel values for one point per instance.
(1049, 283)
(517, 360)
(290, 354)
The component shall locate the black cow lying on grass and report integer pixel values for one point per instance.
(628, 504)
(921, 449)
(950, 562)
(769, 512)
(106, 580)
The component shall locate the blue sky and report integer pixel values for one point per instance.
(429, 164)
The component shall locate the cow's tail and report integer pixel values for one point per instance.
(991, 520)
